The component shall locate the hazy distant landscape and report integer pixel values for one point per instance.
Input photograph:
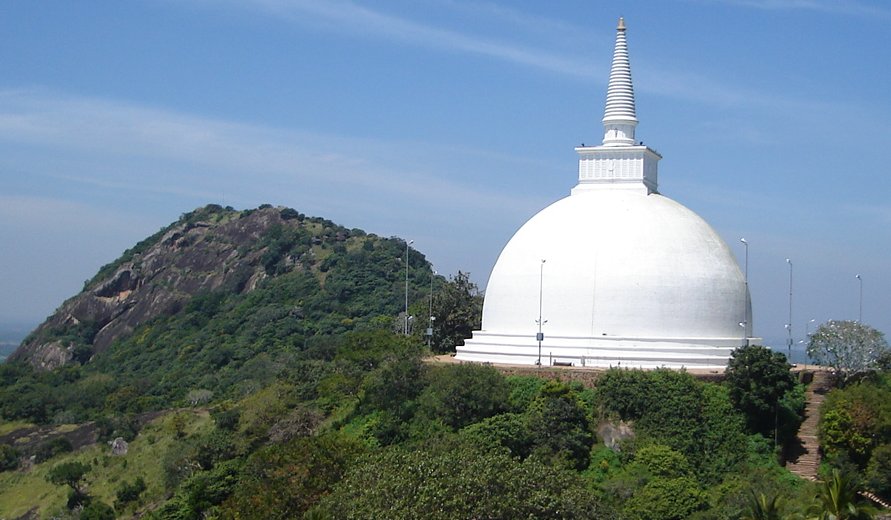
(11, 334)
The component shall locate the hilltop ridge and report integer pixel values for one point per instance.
(209, 250)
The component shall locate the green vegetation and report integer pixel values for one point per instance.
(451, 479)
(758, 379)
(71, 474)
(855, 431)
(324, 281)
(296, 399)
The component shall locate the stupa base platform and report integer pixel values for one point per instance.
(646, 353)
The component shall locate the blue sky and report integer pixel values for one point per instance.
(449, 122)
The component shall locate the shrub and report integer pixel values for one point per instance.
(129, 492)
(9, 457)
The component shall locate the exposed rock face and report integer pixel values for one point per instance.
(208, 249)
(119, 446)
(614, 435)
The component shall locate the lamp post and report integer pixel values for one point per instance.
(432, 317)
(746, 296)
(860, 279)
(540, 336)
(789, 324)
(405, 325)
(804, 342)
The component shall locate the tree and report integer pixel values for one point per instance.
(855, 420)
(878, 471)
(70, 474)
(758, 378)
(837, 500)
(458, 307)
(559, 427)
(673, 408)
(452, 479)
(848, 347)
(283, 481)
(763, 508)
(666, 499)
(460, 395)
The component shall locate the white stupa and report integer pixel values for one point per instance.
(614, 274)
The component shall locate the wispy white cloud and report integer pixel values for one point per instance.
(843, 7)
(503, 15)
(192, 156)
(133, 160)
(354, 19)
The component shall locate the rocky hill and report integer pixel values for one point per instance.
(212, 250)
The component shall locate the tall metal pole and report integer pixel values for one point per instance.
(746, 297)
(806, 340)
(540, 335)
(405, 324)
(430, 323)
(790, 309)
(860, 279)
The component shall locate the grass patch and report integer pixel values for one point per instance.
(21, 492)
(11, 426)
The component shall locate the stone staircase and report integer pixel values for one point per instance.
(874, 499)
(807, 461)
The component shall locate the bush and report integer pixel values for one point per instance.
(459, 395)
(666, 499)
(227, 419)
(97, 510)
(283, 481)
(9, 458)
(878, 471)
(129, 492)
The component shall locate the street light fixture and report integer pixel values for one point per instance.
(540, 336)
(860, 279)
(432, 317)
(405, 326)
(746, 296)
(789, 324)
(805, 342)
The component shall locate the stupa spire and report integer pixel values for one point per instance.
(619, 163)
(619, 118)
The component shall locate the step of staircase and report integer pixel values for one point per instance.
(808, 462)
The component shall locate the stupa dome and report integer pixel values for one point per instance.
(614, 274)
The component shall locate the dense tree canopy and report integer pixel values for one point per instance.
(758, 378)
(674, 409)
(855, 429)
(450, 480)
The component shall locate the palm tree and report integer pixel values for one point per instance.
(836, 500)
(762, 508)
